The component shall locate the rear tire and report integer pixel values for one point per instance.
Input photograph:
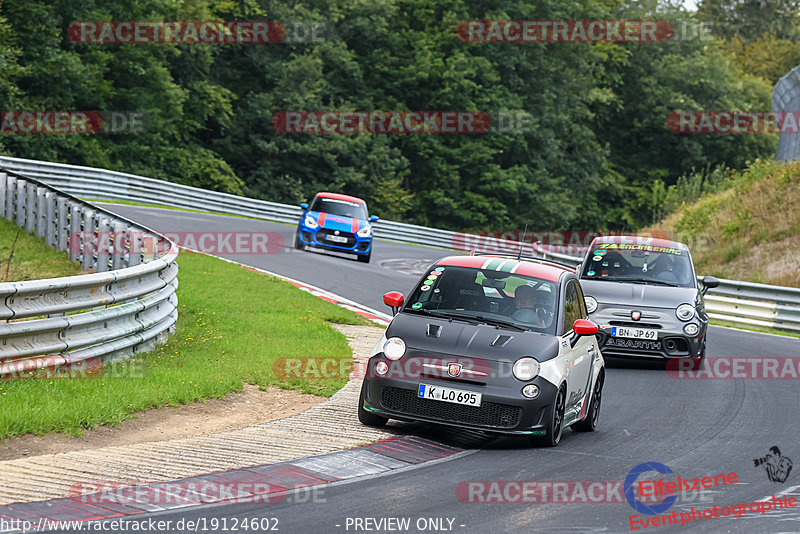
(555, 425)
(368, 418)
(364, 258)
(297, 243)
(590, 423)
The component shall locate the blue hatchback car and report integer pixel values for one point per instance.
(336, 222)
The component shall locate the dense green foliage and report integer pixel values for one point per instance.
(598, 156)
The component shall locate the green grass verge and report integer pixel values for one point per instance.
(234, 324)
(190, 210)
(755, 328)
(32, 258)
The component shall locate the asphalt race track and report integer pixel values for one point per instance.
(696, 427)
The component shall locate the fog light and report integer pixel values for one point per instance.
(531, 391)
(382, 368)
(691, 329)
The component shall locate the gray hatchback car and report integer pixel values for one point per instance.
(644, 295)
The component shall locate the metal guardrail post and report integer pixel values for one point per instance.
(3, 189)
(87, 240)
(62, 223)
(103, 241)
(20, 187)
(8, 208)
(119, 258)
(50, 218)
(41, 212)
(75, 238)
(30, 207)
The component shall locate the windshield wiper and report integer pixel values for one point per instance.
(421, 311)
(477, 318)
(648, 281)
(500, 322)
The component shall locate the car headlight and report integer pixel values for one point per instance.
(526, 368)
(365, 232)
(394, 348)
(685, 312)
(591, 304)
(310, 222)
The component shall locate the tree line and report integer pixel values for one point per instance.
(594, 153)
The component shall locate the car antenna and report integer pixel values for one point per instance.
(522, 242)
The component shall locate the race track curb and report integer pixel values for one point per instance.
(329, 426)
(265, 484)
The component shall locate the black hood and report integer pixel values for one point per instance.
(462, 338)
(631, 294)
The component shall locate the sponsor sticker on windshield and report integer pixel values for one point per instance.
(648, 248)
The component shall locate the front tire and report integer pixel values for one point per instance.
(555, 426)
(297, 243)
(364, 258)
(590, 423)
(368, 418)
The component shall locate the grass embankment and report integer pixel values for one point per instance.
(32, 258)
(233, 325)
(173, 208)
(749, 232)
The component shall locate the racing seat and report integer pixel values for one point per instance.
(471, 297)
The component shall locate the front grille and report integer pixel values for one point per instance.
(489, 414)
(635, 324)
(322, 237)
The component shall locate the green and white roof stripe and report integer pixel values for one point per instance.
(501, 264)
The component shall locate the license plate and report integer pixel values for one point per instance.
(456, 396)
(634, 333)
(336, 239)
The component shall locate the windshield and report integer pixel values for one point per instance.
(492, 297)
(637, 263)
(339, 207)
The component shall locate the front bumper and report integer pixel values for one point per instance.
(672, 340)
(503, 408)
(318, 237)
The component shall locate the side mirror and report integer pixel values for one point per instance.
(583, 327)
(709, 282)
(304, 206)
(373, 218)
(393, 299)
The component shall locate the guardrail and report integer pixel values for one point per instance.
(749, 304)
(58, 325)
(739, 303)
